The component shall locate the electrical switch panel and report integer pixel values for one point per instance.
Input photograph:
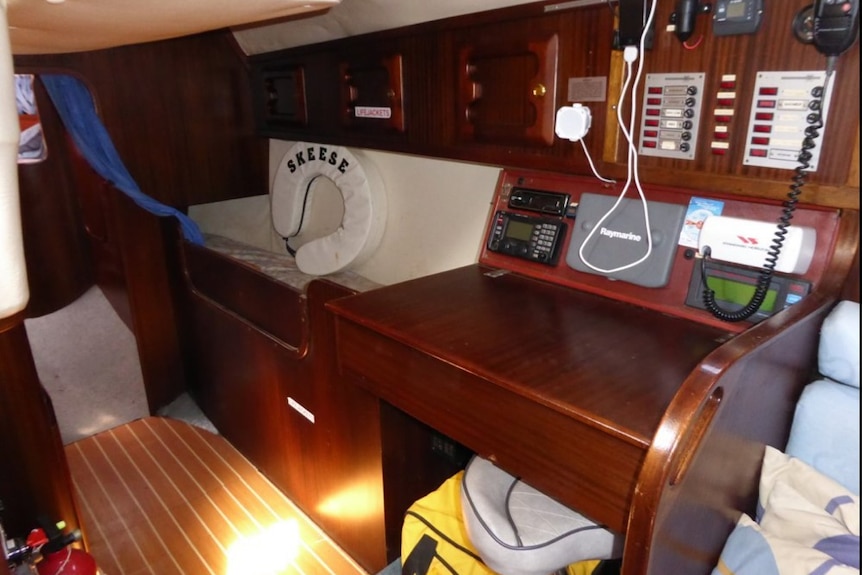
(784, 105)
(671, 115)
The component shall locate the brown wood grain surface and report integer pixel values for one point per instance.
(161, 496)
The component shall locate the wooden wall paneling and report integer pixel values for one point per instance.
(187, 140)
(179, 112)
(773, 48)
(152, 279)
(103, 232)
(428, 101)
(34, 477)
(433, 115)
(851, 286)
(59, 266)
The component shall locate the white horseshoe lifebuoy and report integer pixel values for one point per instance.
(364, 197)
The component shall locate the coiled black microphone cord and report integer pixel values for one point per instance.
(812, 132)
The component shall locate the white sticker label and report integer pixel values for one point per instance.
(373, 112)
(302, 411)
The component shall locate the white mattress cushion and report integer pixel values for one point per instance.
(838, 354)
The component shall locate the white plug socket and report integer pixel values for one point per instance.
(573, 122)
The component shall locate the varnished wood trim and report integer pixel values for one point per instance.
(11, 321)
(853, 176)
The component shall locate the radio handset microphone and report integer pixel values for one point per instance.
(835, 26)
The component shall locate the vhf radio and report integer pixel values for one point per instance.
(533, 238)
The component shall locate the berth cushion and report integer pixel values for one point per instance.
(282, 267)
(838, 354)
(825, 431)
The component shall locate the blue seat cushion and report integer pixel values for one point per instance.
(825, 431)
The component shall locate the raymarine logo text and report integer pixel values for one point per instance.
(628, 236)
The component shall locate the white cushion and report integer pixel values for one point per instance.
(518, 530)
(838, 354)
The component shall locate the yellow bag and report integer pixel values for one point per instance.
(434, 540)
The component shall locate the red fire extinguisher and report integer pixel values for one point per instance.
(58, 557)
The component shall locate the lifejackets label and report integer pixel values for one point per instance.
(373, 112)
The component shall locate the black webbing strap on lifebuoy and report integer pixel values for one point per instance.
(290, 250)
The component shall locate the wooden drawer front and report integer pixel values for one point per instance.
(565, 457)
(273, 308)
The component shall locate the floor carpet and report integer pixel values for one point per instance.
(87, 361)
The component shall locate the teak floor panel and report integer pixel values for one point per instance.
(163, 497)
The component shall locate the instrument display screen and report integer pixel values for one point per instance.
(519, 230)
(739, 293)
(734, 287)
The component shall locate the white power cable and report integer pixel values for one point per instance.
(593, 166)
(630, 54)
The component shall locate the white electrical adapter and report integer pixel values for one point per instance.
(748, 242)
(573, 122)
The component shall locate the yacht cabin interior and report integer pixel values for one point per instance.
(591, 242)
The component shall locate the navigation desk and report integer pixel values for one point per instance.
(650, 424)
(622, 401)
